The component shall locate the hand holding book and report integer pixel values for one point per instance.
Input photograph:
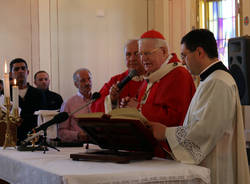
(158, 130)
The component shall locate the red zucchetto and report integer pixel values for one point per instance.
(152, 34)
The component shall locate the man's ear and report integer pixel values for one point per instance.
(200, 51)
(76, 85)
(12, 75)
(164, 50)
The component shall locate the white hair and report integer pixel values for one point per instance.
(79, 70)
(128, 42)
(157, 42)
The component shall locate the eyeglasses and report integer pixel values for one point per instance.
(21, 67)
(148, 53)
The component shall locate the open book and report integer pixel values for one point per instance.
(121, 129)
(119, 113)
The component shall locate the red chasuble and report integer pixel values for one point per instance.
(131, 89)
(168, 98)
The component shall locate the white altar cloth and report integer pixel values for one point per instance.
(57, 168)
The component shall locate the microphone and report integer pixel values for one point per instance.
(131, 74)
(95, 96)
(59, 118)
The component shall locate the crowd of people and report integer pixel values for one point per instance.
(202, 126)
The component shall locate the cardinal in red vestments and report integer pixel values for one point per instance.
(168, 87)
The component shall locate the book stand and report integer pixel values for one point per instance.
(121, 140)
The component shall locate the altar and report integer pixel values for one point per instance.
(57, 168)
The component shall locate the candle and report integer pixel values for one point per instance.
(6, 81)
(15, 92)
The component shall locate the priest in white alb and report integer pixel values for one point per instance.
(212, 133)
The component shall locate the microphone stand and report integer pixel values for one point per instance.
(43, 144)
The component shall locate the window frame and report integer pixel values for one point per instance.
(238, 14)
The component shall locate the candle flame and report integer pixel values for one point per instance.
(5, 67)
(14, 81)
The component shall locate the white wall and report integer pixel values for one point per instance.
(174, 18)
(19, 32)
(92, 34)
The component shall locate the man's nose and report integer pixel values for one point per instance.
(131, 57)
(143, 57)
(134, 56)
(87, 82)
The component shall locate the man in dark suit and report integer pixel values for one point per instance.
(42, 81)
(30, 98)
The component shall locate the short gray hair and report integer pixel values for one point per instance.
(77, 71)
(128, 42)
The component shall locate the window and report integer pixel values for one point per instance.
(222, 18)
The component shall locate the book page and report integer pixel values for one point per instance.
(129, 113)
(90, 115)
(119, 113)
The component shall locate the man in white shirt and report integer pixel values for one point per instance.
(212, 133)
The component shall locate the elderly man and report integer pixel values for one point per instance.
(110, 93)
(30, 98)
(53, 100)
(168, 88)
(212, 134)
(69, 131)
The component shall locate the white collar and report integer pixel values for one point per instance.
(79, 94)
(163, 70)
